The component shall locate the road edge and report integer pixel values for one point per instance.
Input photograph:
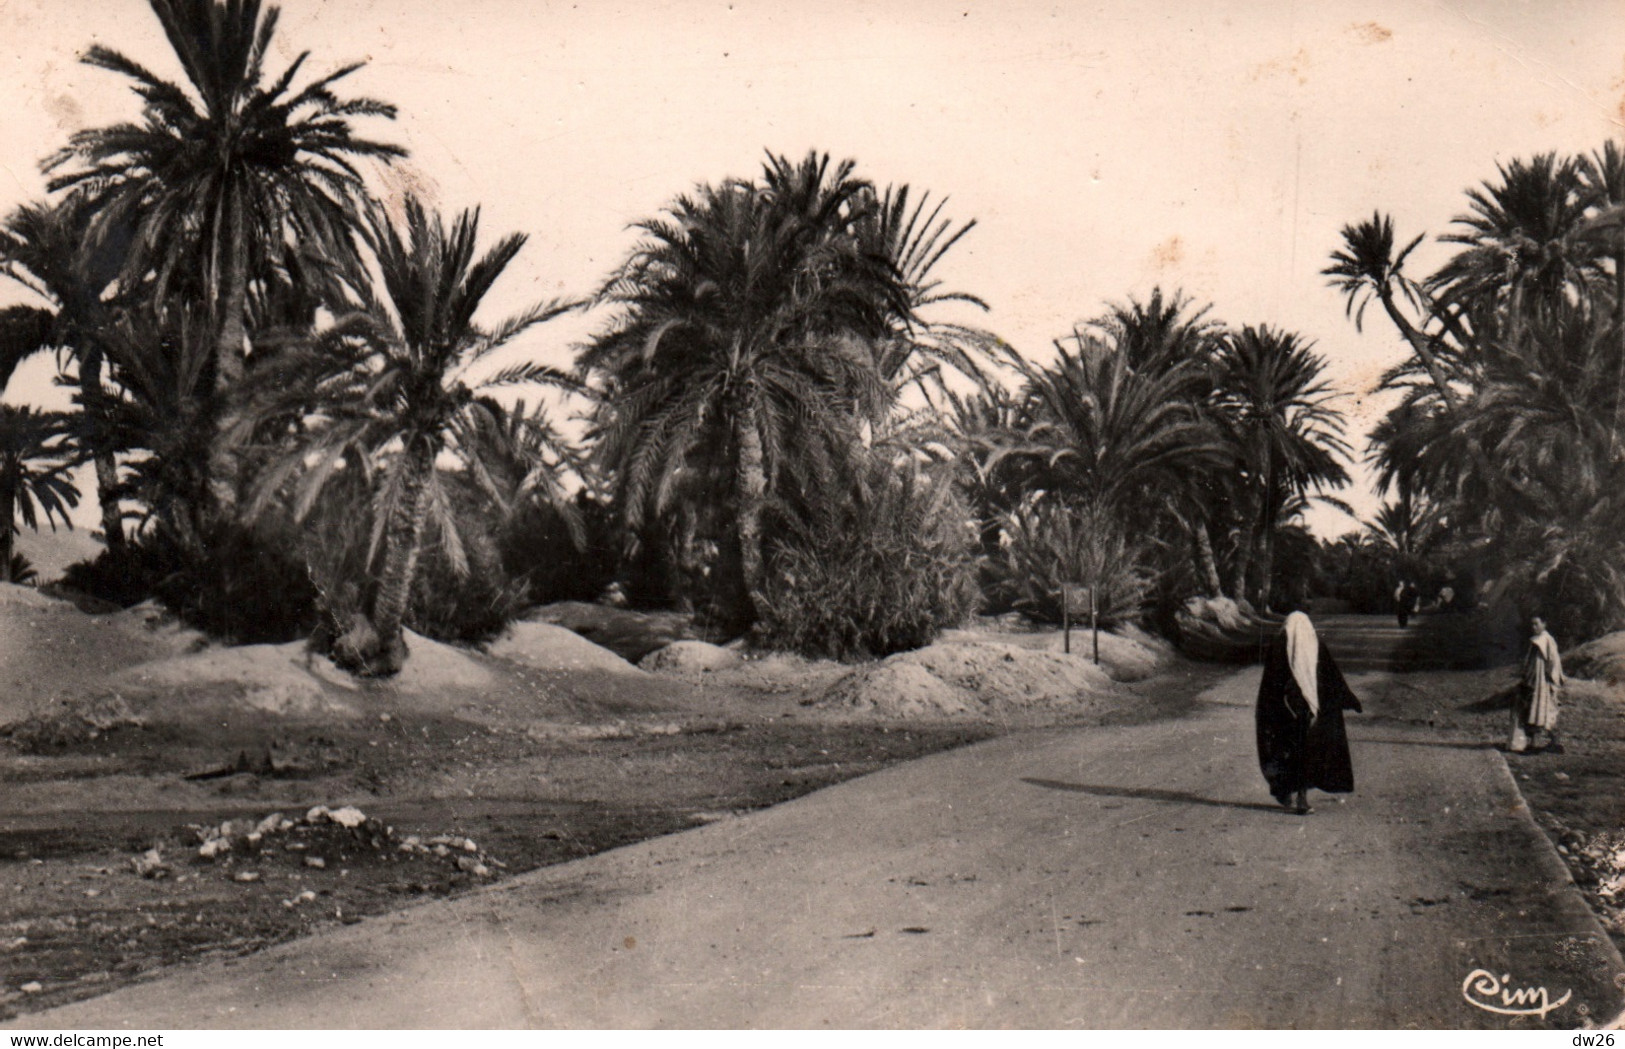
(1559, 872)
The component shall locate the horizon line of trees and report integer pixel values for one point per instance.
(289, 399)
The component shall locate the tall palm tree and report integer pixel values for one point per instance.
(1367, 267)
(742, 354)
(388, 389)
(35, 456)
(1162, 332)
(1603, 177)
(225, 170)
(1279, 413)
(47, 248)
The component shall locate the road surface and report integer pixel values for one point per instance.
(1135, 876)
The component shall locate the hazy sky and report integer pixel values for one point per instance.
(1104, 148)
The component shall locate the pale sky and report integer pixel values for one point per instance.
(1104, 148)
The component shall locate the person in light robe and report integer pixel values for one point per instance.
(1534, 706)
(1302, 743)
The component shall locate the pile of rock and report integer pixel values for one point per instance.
(304, 839)
(1597, 861)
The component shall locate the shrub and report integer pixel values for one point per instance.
(242, 585)
(22, 571)
(881, 571)
(123, 577)
(1047, 545)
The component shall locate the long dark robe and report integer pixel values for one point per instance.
(1295, 753)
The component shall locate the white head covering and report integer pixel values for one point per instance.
(1303, 654)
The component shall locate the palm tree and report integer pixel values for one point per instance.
(1603, 178)
(1110, 438)
(35, 456)
(1161, 331)
(1366, 268)
(387, 390)
(743, 356)
(1524, 244)
(1279, 414)
(916, 350)
(47, 248)
(217, 181)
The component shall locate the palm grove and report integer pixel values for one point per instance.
(294, 406)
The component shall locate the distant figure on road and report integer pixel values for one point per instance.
(1302, 744)
(1405, 596)
(1534, 707)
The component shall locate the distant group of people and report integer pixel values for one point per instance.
(1302, 742)
(1408, 601)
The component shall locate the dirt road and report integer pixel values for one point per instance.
(1119, 877)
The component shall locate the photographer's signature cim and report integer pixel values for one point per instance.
(1493, 994)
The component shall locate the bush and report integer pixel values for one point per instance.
(244, 586)
(248, 586)
(881, 571)
(539, 549)
(123, 577)
(1047, 545)
(22, 571)
(472, 605)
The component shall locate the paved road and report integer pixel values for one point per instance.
(1125, 877)
(1430, 642)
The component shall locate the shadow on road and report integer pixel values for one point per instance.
(1424, 743)
(1150, 794)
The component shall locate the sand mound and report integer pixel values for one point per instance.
(1127, 653)
(433, 666)
(1600, 660)
(1122, 658)
(26, 597)
(950, 679)
(685, 657)
(900, 690)
(548, 647)
(272, 679)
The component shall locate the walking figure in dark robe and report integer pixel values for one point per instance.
(1302, 744)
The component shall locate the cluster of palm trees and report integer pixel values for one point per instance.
(788, 425)
(1175, 449)
(1505, 457)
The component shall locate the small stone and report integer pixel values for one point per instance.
(349, 816)
(246, 876)
(150, 864)
(32, 987)
(214, 847)
(316, 862)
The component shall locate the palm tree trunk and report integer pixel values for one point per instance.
(96, 407)
(8, 527)
(752, 498)
(1619, 333)
(384, 652)
(1264, 534)
(1421, 345)
(1244, 556)
(1206, 563)
(231, 328)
